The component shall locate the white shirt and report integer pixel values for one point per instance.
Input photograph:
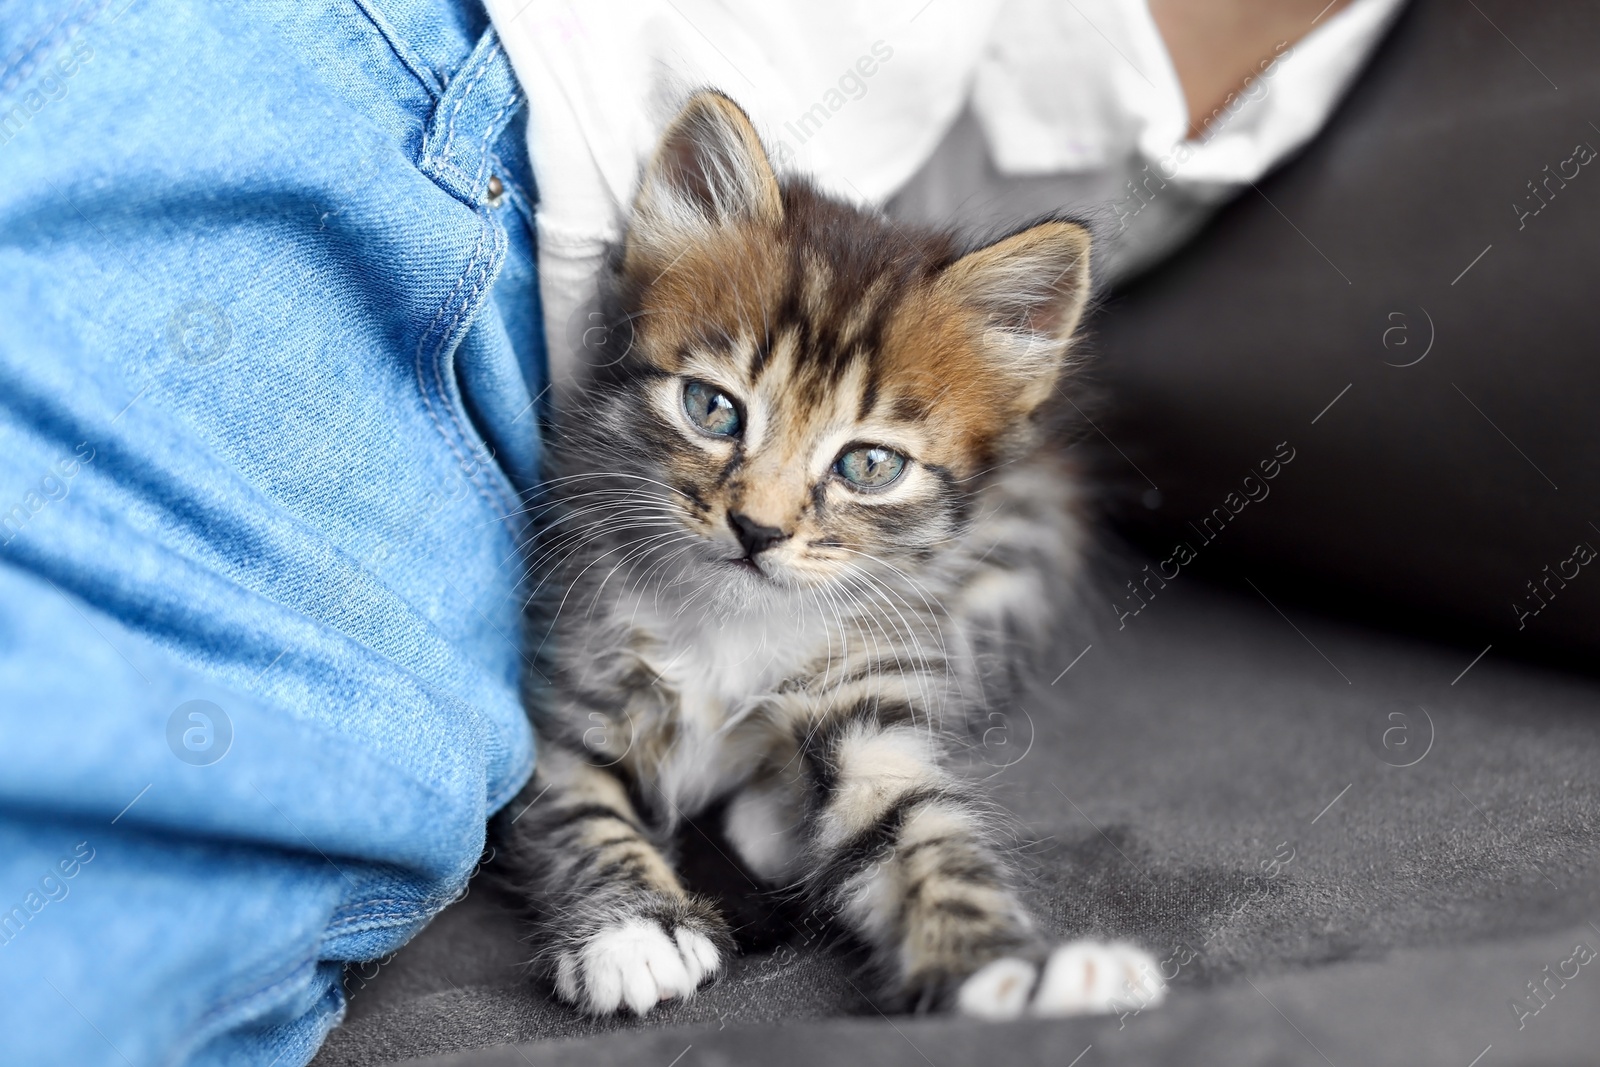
(860, 95)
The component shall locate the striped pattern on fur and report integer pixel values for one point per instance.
(721, 614)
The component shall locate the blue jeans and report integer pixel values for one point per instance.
(270, 363)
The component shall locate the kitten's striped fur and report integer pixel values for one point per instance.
(813, 670)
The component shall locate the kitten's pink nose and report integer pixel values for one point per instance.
(755, 537)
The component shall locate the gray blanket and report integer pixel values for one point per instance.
(1221, 782)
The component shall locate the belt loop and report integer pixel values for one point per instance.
(477, 103)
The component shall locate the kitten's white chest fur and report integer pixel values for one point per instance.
(720, 667)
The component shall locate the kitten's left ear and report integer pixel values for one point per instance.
(1029, 290)
(709, 171)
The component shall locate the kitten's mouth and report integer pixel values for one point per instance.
(749, 566)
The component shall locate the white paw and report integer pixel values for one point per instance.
(1079, 978)
(635, 963)
(998, 991)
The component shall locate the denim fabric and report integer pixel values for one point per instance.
(269, 363)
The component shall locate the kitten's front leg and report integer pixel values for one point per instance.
(614, 925)
(902, 853)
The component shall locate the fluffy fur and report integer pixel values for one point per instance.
(724, 617)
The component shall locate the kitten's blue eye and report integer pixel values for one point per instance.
(711, 409)
(870, 466)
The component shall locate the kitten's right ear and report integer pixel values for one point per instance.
(709, 171)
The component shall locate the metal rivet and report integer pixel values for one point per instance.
(497, 190)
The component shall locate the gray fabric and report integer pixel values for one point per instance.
(1191, 743)
(1344, 1014)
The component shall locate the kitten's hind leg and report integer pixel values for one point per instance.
(614, 926)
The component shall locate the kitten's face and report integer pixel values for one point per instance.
(796, 468)
(815, 394)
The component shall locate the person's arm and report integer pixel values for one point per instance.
(1216, 44)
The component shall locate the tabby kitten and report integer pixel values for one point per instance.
(789, 518)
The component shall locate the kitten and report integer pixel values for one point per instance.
(804, 499)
